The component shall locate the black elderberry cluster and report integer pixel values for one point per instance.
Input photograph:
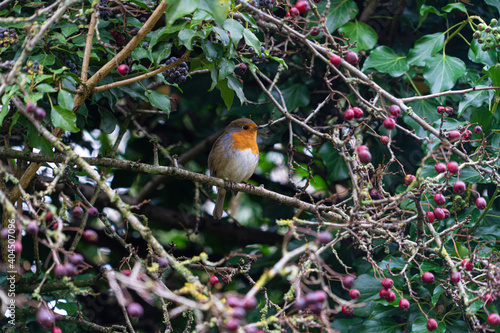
(8, 37)
(31, 67)
(255, 58)
(266, 4)
(176, 74)
(253, 3)
(72, 67)
(104, 13)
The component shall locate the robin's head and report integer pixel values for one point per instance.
(243, 124)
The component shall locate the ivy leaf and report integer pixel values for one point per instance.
(226, 93)
(363, 34)
(425, 47)
(452, 6)
(494, 3)
(425, 109)
(251, 40)
(226, 67)
(178, 9)
(212, 51)
(335, 164)
(36, 140)
(341, 11)
(65, 100)
(236, 85)
(475, 98)
(44, 59)
(159, 100)
(186, 37)
(296, 96)
(108, 121)
(235, 30)
(477, 55)
(442, 72)
(43, 87)
(218, 9)
(385, 60)
(494, 74)
(221, 35)
(64, 118)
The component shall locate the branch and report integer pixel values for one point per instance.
(444, 93)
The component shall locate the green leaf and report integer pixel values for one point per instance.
(69, 30)
(226, 93)
(452, 6)
(341, 12)
(477, 55)
(158, 100)
(70, 307)
(475, 98)
(218, 9)
(44, 59)
(441, 72)
(296, 95)
(251, 40)
(335, 164)
(494, 3)
(436, 294)
(45, 88)
(108, 121)
(494, 74)
(226, 67)
(221, 35)
(425, 109)
(385, 60)
(425, 9)
(235, 30)
(36, 140)
(212, 51)
(363, 34)
(178, 9)
(186, 37)
(236, 85)
(64, 118)
(425, 47)
(65, 100)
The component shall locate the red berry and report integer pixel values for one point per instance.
(439, 213)
(404, 304)
(316, 308)
(135, 310)
(249, 303)
(361, 148)
(302, 6)
(480, 203)
(18, 247)
(352, 58)
(467, 265)
(494, 319)
(395, 110)
(57, 330)
(391, 296)
(77, 211)
(48, 217)
(76, 259)
(453, 135)
(213, 280)
(448, 110)
(354, 293)
(446, 213)
(488, 299)
(432, 325)
(294, 11)
(348, 281)
(317, 1)
(30, 107)
(374, 194)
(93, 212)
(383, 293)
(440, 167)
(349, 114)
(387, 283)
(428, 278)
(70, 269)
(365, 156)
(45, 318)
(123, 69)
(441, 109)
(389, 123)
(315, 31)
(234, 302)
(287, 14)
(60, 271)
(32, 228)
(325, 237)
(385, 140)
(238, 313)
(409, 179)
(467, 134)
(430, 217)
(347, 310)
(358, 113)
(453, 167)
(300, 303)
(232, 324)
(455, 277)
(459, 186)
(439, 199)
(40, 113)
(320, 295)
(335, 60)
(478, 129)
(90, 236)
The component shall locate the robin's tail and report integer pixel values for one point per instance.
(219, 204)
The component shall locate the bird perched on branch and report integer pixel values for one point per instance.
(234, 156)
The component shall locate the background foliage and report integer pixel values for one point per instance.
(146, 136)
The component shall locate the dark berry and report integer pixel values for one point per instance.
(30, 107)
(302, 6)
(300, 303)
(440, 167)
(315, 31)
(365, 156)
(383, 293)
(439, 199)
(467, 265)
(60, 271)
(480, 203)
(384, 140)
(352, 58)
(77, 211)
(467, 134)
(93, 212)
(478, 129)
(45, 318)
(40, 113)
(76, 259)
(325, 237)
(374, 194)
(70, 269)
(488, 299)
(391, 296)
(135, 310)
(439, 213)
(32, 228)
(249, 303)
(348, 281)
(455, 277)
(448, 110)
(459, 186)
(233, 301)
(238, 313)
(232, 324)
(441, 109)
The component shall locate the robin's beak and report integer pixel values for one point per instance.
(258, 128)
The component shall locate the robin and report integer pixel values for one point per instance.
(234, 156)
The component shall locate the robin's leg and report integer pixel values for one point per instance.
(249, 185)
(231, 184)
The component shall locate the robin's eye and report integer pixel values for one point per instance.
(245, 127)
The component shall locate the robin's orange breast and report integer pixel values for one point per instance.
(245, 140)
